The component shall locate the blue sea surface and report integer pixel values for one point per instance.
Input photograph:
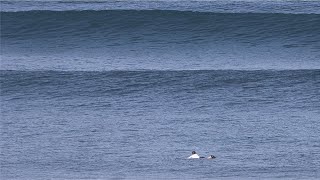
(128, 89)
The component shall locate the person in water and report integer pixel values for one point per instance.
(194, 155)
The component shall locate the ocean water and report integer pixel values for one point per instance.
(128, 89)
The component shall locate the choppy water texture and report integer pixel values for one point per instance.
(126, 90)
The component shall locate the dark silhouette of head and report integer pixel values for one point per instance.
(193, 152)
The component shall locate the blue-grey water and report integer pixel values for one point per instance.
(127, 89)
